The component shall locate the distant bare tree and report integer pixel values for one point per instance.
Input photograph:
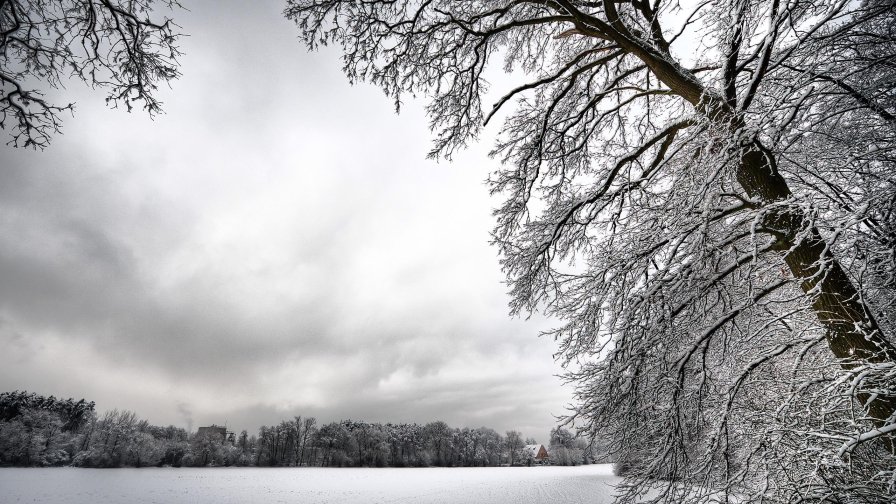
(514, 444)
(111, 44)
(704, 193)
(309, 428)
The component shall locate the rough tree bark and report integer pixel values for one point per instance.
(853, 335)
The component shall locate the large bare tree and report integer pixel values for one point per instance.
(704, 193)
(111, 44)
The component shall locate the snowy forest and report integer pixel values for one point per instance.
(702, 194)
(38, 431)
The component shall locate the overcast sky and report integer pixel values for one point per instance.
(275, 244)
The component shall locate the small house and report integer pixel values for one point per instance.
(537, 453)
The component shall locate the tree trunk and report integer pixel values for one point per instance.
(852, 332)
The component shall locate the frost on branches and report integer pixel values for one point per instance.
(704, 193)
(110, 44)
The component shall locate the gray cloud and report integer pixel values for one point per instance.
(275, 244)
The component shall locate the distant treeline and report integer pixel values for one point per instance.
(45, 431)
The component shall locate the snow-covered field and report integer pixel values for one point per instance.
(497, 485)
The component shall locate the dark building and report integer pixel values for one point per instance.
(217, 431)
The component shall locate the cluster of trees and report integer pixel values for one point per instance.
(37, 430)
(355, 443)
(568, 450)
(45, 431)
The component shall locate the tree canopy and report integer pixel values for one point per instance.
(109, 44)
(703, 193)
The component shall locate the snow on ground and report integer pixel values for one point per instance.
(493, 485)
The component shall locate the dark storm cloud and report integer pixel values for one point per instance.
(273, 245)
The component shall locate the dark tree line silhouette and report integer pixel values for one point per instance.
(46, 431)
